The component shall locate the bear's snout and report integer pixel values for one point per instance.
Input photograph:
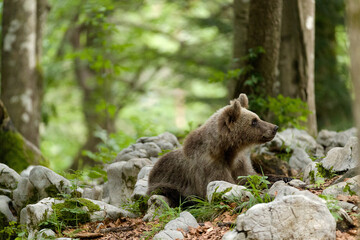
(275, 129)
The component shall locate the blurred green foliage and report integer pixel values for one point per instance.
(288, 112)
(137, 52)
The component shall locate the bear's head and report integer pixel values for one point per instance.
(243, 127)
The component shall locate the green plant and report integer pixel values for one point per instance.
(137, 207)
(285, 153)
(208, 211)
(13, 231)
(53, 222)
(333, 206)
(255, 185)
(347, 188)
(288, 112)
(323, 172)
(71, 212)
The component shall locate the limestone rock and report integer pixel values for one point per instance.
(157, 204)
(108, 211)
(236, 191)
(331, 139)
(6, 211)
(299, 159)
(339, 188)
(25, 193)
(95, 193)
(170, 231)
(26, 172)
(281, 189)
(45, 234)
(141, 185)
(297, 183)
(48, 183)
(9, 178)
(122, 178)
(311, 174)
(165, 141)
(293, 138)
(288, 217)
(343, 158)
(168, 235)
(184, 221)
(149, 147)
(33, 214)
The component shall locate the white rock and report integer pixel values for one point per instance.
(289, 217)
(9, 178)
(168, 235)
(343, 158)
(311, 174)
(26, 172)
(33, 214)
(25, 193)
(331, 139)
(157, 204)
(45, 234)
(109, 211)
(149, 147)
(338, 189)
(141, 185)
(5, 205)
(95, 193)
(236, 192)
(293, 138)
(280, 189)
(299, 159)
(48, 183)
(122, 179)
(297, 183)
(165, 141)
(230, 235)
(185, 221)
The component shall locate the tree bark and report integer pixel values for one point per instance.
(21, 86)
(264, 31)
(16, 151)
(240, 23)
(91, 95)
(353, 25)
(296, 65)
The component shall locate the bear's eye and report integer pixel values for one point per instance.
(254, 122)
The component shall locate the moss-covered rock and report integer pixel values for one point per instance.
(74, 211)
(16, 153)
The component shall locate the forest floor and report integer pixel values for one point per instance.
(135, 228)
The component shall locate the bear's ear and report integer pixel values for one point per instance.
(230, 115)
(244, 100)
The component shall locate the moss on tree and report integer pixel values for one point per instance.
(15, 151)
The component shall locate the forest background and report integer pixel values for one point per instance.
(99, 74)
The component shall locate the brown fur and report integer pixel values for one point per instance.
(214, 151)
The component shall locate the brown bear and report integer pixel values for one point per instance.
(214, 151)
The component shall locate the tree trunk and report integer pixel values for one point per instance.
(264, 31)
(15, 151)
(21, 86)
(240, 23)
(91, 96)
(353, 24)
(331, 88)
(296, 65)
